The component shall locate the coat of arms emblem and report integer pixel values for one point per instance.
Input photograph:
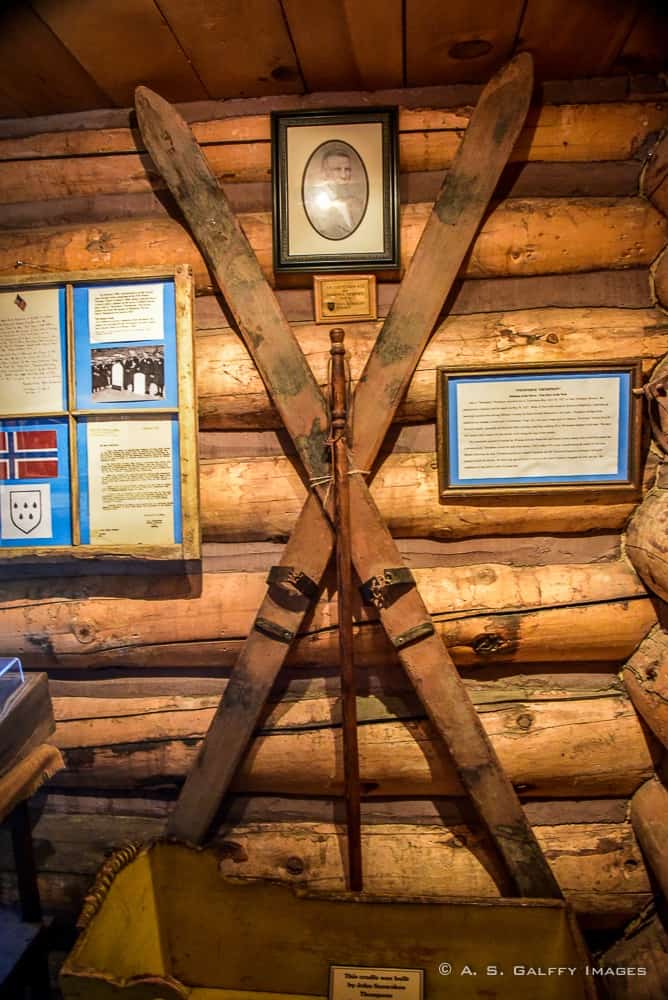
(25, 509)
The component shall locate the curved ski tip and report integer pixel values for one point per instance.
(145, 97)
(522, 64)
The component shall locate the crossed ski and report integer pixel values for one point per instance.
(294, 583)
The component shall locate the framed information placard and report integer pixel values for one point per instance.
(539, 428)
(98, 417)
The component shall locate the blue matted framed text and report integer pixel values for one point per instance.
(98, 416)
(537, 428)
(122, 497)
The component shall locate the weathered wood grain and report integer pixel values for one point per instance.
(562, 37)
(608, 179)
(573, 746)
(232, 395)
(520, 237)
(561, 133)
(646, 536)
(486, 614)
(646, 678)
(598, 864)
(649, 809)
(247, 810)
(116, 52)
(259, 498)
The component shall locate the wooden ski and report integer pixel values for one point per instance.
(270, 341)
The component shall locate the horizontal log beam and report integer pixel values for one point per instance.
(250, 809)
(259, 498)
(90, 163)
(584, 132)
(597, 90)
(519, 237)
(93, 714)
(579, 747)
(258, 557)
(613, 179)
(598, 865)
(231, 394)
(496, 613)
(593, 290)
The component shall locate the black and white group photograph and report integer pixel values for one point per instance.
(127, 373)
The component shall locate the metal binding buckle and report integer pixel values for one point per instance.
(377, 590)
(420, 631)
(273, 630)
(280, 575)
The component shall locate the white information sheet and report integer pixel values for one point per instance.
(130, 491)
(125, 312)
(347, 982)
(538, 427)
(31, 362)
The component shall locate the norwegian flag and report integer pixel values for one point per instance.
(28, 455)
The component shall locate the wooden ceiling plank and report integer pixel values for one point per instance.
(322, 43)
(240, 48)
(646, 48)
(39, 75)
(375, 28)
(9, 107)
(123, 45)
(462, 42)
(578, 38)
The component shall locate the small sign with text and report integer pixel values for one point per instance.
(358, 983)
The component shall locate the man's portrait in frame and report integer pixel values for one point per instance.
(335, 189)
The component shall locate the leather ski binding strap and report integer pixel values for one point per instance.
(414, 634)
(381, 591)
(273, 630)
(279, 576)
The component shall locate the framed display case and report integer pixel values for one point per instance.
(98, 416)
(540, 429)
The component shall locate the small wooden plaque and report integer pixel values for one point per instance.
(346, 297)
(351, 982)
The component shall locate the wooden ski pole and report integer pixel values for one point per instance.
(340, 473)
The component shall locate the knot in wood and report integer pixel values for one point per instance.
(233, 851)
(294, 865)
(488, 645)
(524, 721)
(84, 632)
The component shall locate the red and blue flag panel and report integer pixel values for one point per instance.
(35, 500)
(28, 454)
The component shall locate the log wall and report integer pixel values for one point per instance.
(537, 601)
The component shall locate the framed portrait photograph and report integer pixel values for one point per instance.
(336, 204)
(540, 429)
